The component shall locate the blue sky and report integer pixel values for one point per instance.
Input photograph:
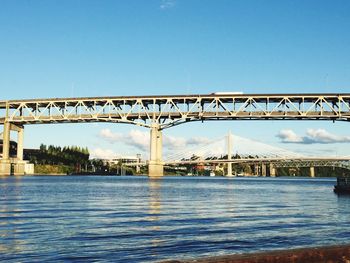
(100, 48)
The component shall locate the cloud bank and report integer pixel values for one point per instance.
(312, 136)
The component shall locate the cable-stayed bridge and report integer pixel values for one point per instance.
(234, 149)
(244, 147)
(160, 112)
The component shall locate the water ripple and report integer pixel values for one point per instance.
(134, 219)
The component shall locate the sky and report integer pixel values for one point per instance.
(110, 48)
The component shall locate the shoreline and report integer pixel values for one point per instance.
(329, 254)
(175, 175)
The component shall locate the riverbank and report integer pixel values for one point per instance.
(329, 254)
(50, 169)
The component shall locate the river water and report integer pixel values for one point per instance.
(134, 219)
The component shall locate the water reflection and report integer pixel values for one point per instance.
(343, 201)
(230, 195)
(154, 198)
(11, 211)
(154, 188)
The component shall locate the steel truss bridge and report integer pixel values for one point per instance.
(280, 162)
(161, 112)
(261, 163)
(170, 110)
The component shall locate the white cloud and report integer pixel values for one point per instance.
(167, 4)
(141, 139)
(135, 138)
(312, 136)
(322, 136)
(138, 139)
(172, 142)
(110, 136)
(100, 153)
(289, 136)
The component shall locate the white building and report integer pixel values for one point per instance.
(124, 160)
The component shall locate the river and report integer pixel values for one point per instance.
(135, 219)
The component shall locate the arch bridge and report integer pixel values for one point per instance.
(160, 112)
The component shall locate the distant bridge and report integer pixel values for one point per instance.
(324, 161)
(248, 151)
(309, 162)
(261, 164)
(161, 112)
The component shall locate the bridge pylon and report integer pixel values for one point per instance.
(156, 165)
(229, 154)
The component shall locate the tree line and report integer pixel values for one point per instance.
(68, 159)
(57, 155)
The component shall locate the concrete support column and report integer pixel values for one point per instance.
(263, 169)
(229, 154)
(312, 171)
(155, 166)
(20, 144)
(5, 165)
(256, 169)
(272, 170)
(6, 141)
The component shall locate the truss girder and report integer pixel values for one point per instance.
(173, 110)
(314, 163)
(282, 163)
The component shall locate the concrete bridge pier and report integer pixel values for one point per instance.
(19, 165)
(312, 171)
(155, 166)
(257, 169)
(263, 170)
(6, 162)
(272, 170)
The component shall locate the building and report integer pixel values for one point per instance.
(123, 160)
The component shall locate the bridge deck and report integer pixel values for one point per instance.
(170, 110)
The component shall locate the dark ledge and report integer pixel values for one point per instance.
(330, 254)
